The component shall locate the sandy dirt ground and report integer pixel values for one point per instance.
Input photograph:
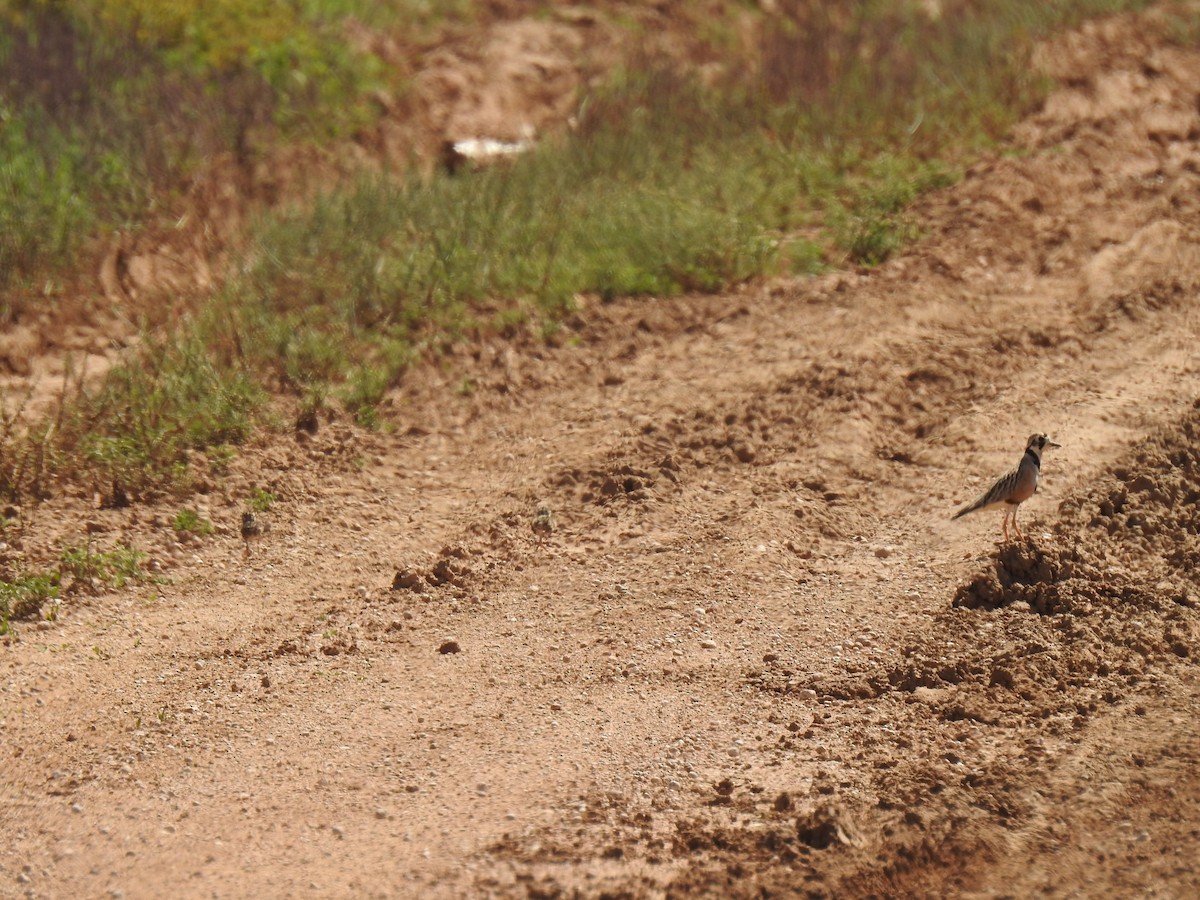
(752, 655)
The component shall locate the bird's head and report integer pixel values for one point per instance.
(1039, 442)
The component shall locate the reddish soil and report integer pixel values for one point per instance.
(754, 657)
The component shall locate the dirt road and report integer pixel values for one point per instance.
(753, 656)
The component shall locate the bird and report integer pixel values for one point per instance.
(543, 523)
(252, 527)
(1016, 486)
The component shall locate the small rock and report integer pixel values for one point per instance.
(708, 644)
(806, 694)
(381, 813)
(449, 646)
(338, 831)
(883, 552)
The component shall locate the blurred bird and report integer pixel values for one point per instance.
(252, 527)
(543, 523)
(1015, 487)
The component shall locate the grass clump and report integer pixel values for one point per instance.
(109, 568)
(133, 434)
(130, 435)
(23, 595)
(261, 500)
(187, 519)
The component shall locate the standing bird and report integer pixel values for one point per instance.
(543, 523)
(1015, 487)
(252, 527)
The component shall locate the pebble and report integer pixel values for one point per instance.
(806, 694)
(338, 831)
(708, 644)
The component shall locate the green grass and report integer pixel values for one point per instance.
(187, 519)
(22, 596)
(132, 436)
(108, 568)
(342, 297)
(261, 500)
(109, 107)
(25, 594)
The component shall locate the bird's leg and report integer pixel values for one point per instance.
(1005, 524)
(1020, 537)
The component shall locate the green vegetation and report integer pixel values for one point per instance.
(107, 106)
(806, 160)
(111, 568)
(187, 519)
(24, 595)
(261, 500)
(132, 435)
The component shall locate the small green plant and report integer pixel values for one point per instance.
(261, 500)
(110, 568)
(23, 596)
(187, 519)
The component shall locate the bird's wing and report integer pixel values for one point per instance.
(1000, 491)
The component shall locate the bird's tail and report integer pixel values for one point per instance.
(969, 508)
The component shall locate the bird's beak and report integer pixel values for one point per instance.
(1053, 444)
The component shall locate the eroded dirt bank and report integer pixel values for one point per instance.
(754, 657)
